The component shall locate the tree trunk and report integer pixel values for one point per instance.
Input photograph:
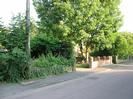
(81, 48)
(86, 54)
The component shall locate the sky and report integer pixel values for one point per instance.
(126, 8)
(8, 8)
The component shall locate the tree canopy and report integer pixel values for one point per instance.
(66, 19)
(108, 21)
(129, 38)
(90, 21)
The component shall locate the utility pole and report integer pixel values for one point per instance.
(27, 43)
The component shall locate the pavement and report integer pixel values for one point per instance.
(33, 89)
(7, 90)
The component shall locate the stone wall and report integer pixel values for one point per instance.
(99, 61)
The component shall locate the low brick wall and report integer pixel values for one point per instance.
(99, 61)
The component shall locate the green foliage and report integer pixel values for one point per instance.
(66, 20)
(83, 65)
(3, 32)
(51, 65)
(4, 58)
(105, 52)
(43, 44)
(106, 22)
(15, 37)
(13, 66)
(91, 22)
(104, 39)
(119, 47)
(129, 38)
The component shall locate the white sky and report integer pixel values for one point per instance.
(8, 8)
(127, 11)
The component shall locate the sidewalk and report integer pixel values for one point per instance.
(12, 89)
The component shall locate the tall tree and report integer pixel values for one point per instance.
(92, 23)
(65, 19)
(16, 36)
(129, 37)
(108, 20)
(3, 32)
(68, 20)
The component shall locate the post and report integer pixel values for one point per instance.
(110, 58)
(27, 43)
(115, 59)
(91, 62)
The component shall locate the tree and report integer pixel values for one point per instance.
(3, 32)
(108, 20)
(92, 23)
(65, 19)
(120, 46)
(129, 37)
(15, 36)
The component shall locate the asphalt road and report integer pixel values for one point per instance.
(114, 84)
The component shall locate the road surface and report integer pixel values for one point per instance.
(114, 84)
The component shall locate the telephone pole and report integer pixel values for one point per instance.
(27, 43)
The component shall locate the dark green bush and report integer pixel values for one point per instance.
(13, 66)
(51, 65)
(104, 52)
(4, 65)
(43, 44)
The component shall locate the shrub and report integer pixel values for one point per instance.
(4, 58)
(82, 65)
(51, 65)
(42, 44)
(13, 66)
(105, 52)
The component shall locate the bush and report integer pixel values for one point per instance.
(82, 65)
(4, 58)
(13, 66)
(105, 52)
(51, 65)
(43, 44)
